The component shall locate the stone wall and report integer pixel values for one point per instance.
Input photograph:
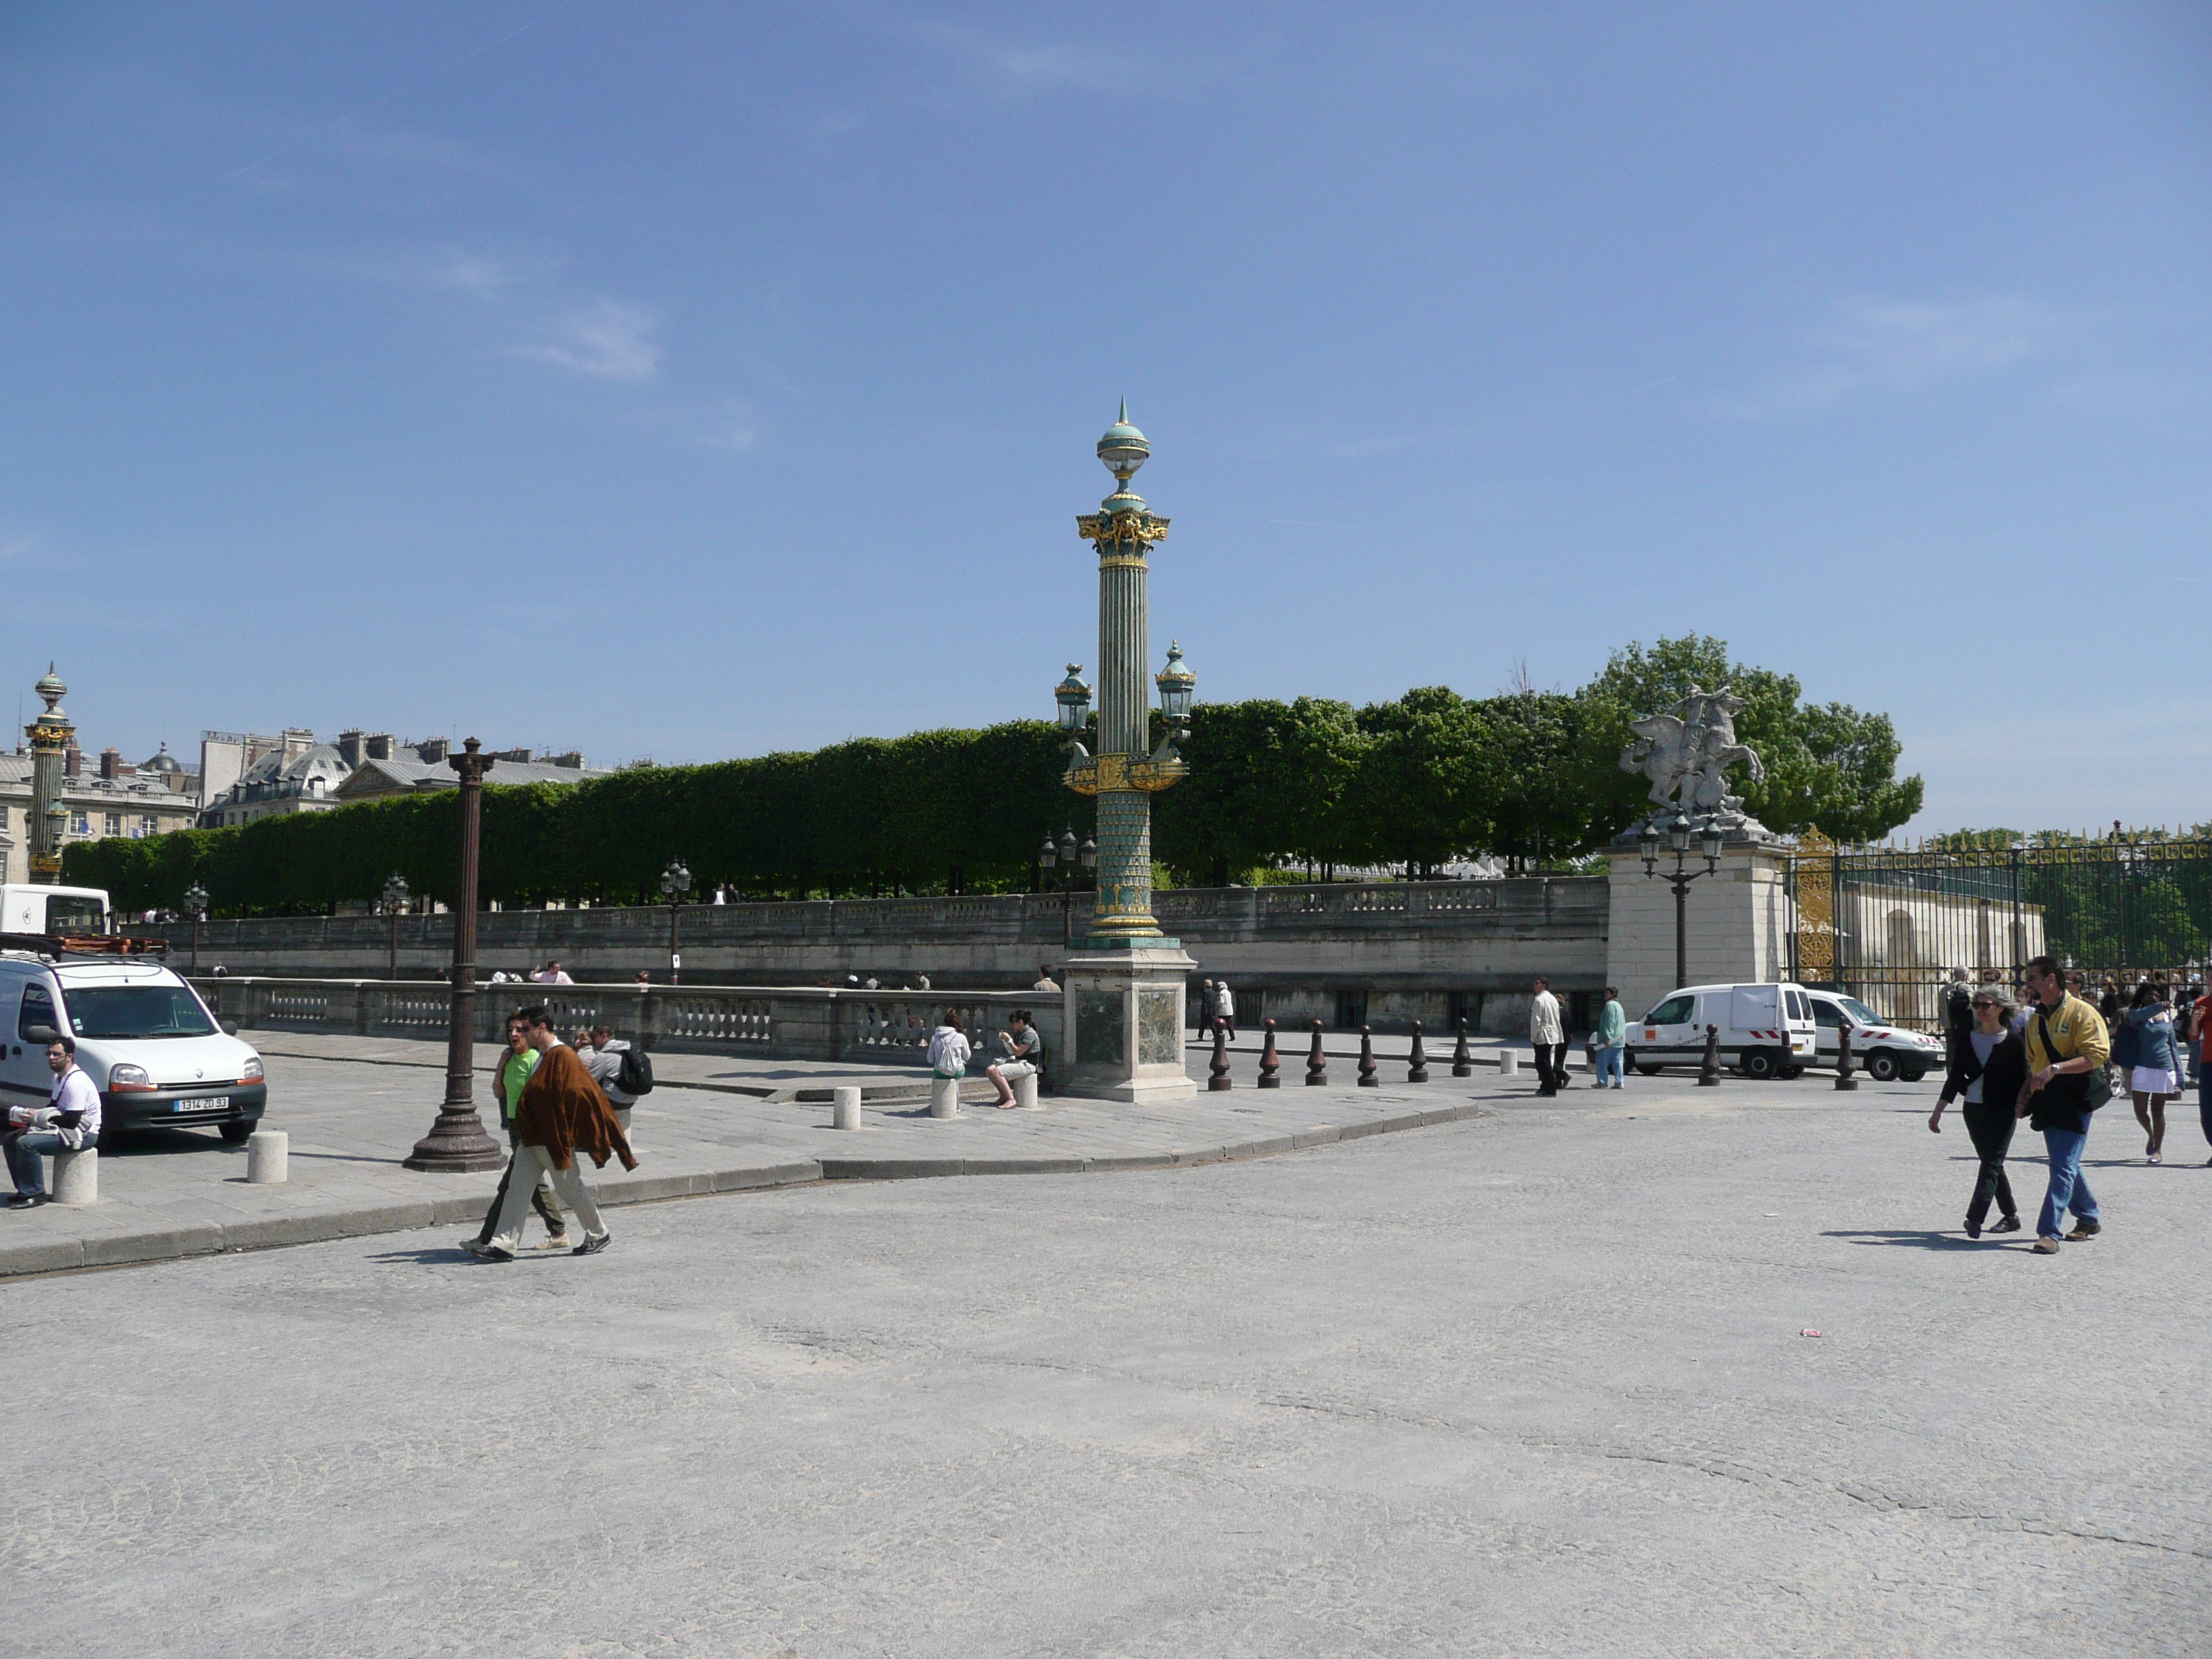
(1400, 951)
(1738, 921)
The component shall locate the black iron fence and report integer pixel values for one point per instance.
(1889, 924)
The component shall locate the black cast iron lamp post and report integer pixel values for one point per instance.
(395, 901)
(1710, 837)
(675, 883)
(457, 1143)
(196, 904)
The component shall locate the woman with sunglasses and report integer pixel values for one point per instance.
(1988, 1070)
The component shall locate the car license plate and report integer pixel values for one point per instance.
(203, 1104)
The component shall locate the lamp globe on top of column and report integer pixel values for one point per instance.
(395, 894)
(195, 900)
(1123, 448)
(675, 882)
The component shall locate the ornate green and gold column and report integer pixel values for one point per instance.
(50, 735)
(1125, 980)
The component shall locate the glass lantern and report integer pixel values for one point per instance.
(1073, 698)
(1178, 685)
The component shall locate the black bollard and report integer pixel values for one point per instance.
(1417, 1063)
(1462, 1061)
(1708, 1074)
(1844, 1078)
(1269, 1064)
(1317, 1062)
(1220, 1070)
(1367, 1059)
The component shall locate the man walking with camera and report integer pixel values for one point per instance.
(2067, 1048)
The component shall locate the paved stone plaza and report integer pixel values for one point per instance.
(1529, 1383)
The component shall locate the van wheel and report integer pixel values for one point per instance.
(1912, 1074)
(1791, 1073)
(1881, 1065)
(1647, 1071)
(235, 1134)
(1759, 1063)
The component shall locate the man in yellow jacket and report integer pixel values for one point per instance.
(2066, 1041)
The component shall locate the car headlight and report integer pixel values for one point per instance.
(252, 1068)
(129, 1080)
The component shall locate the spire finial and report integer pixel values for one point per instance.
(1124, 420)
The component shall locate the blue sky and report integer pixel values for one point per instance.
(697, 380)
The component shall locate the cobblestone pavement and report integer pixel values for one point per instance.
(1529, 1384)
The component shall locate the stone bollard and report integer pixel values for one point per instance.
(1417, 1061)
(267, 1155)
(1508, 1062)
(1317, 1062)
(1217, 1073)
(1367, 1078)
(944, 1097)
(1271, 1063)
(845, 1106)
(76, 1176)
(1462, 1061)
(1025, 1092)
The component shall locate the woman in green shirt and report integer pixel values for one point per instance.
(1612, 1039)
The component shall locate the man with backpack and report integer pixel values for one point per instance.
(2067, 1048)
(622, 1072)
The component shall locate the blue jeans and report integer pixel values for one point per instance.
(24, 1151)
(1608, 1063)
(2204, 1101)
(2069, 1191)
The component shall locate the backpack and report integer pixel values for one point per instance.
(634, 1076)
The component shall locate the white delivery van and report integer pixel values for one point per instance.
(142, 1036)
(25, 910)
(1765, 1030)
(1884, 1052)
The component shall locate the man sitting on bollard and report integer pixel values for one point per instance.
(1023, 1051)
(70, 1123)
(561, 1113)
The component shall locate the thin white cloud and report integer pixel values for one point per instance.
(606, 340)
(1900, 348)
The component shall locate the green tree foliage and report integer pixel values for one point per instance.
(1529, 775)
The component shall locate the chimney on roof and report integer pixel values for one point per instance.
(112, 765)
(73, 761)
(573, 759)
(433, 749)
(351, 749)
(379, 746)
(298, 740)
(522, 754)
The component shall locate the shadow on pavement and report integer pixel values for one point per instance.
(141, 1143)
(1925, 1241)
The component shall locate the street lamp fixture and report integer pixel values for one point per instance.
(675, 884)
(1072, 698)
(1680, 831)
(395, 901)
(196, 904)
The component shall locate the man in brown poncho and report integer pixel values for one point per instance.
(561, 1113)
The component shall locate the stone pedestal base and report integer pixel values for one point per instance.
(268, 1157)
(76, 1176)
(944, 1096)
(1124, 1024)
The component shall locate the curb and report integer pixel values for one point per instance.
(221, 1238)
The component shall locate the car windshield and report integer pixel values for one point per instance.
(136, 1011)
(1859, 1013)
(72, 913)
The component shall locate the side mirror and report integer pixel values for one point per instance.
(42, 1035)
(229, 1027)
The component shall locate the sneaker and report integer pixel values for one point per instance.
(2158, 1158)
(2083, 1230)
(476, 1246)
(490, 1253)
(2005, 1224)
(593, 1246)
(2046, 1246)
(1973, 1228)
(560, 1242)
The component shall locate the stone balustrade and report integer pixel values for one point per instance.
(776, 1023)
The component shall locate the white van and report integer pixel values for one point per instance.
(26, 909)
(142, 1036)
(1765, 1030)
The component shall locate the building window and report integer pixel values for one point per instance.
(80, 823)
(113, 825)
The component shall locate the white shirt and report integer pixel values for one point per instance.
(1544, 1020)
(73, 1092)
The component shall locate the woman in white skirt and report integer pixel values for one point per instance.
(2154, 1076)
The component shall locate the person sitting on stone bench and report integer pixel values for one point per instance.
(69, 1123)
(1023, 1051)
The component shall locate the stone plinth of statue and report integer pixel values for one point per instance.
(1124, 1023)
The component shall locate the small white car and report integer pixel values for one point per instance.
(1764, 1030)
(1885, 1053)
(142, 1036)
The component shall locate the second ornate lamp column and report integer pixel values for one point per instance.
(457, 1142)
(1125, 978)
